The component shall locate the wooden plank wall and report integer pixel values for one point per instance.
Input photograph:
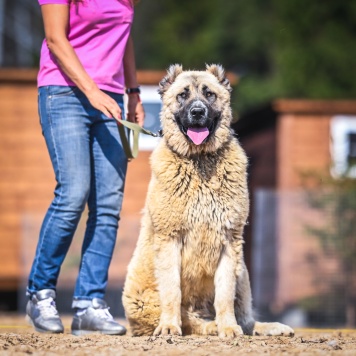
(303, 146)
(26, 179)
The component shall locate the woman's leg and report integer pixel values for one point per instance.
(66, 129)
(108, 171)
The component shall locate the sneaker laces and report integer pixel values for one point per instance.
(104, 313)
(47, 307)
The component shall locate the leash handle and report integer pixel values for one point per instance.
(137, 129)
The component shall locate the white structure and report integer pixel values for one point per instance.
(152, 104)
(343, 145)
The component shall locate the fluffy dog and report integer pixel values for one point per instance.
(187, 274)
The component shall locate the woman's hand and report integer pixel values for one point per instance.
(103, 102)
(135, 110)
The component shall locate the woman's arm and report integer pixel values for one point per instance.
(135, 109)
(56, 20)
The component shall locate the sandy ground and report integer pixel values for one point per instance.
(17, 338)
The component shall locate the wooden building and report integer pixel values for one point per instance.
(284, 140)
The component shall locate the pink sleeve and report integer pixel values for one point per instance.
(45, 2)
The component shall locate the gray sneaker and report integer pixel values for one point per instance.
(42, 313)
(96, 318)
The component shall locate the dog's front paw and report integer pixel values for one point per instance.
(272, 329)
(168, 329)
(230, 331)
(210, 328)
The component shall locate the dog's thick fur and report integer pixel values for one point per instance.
(187, 274)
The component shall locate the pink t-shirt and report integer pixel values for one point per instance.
(98, 32)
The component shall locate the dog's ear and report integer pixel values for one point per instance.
(219, 72)
(173, 71)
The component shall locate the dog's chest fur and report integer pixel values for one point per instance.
(206, 197)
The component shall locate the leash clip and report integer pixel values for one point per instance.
(157, 134)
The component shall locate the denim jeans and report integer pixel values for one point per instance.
(90, 168)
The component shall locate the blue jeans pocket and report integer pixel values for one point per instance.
(55, 91)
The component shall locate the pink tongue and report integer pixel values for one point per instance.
(198, 135)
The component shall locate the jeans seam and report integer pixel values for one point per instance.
(80, 271)
(91, 187)
(59, 177)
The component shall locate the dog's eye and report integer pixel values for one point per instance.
(182, 96)
(209, 94)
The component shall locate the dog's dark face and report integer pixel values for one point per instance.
(197, 116)
(196, 112)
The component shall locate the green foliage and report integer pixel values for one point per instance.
(295, 48)
(337, 201)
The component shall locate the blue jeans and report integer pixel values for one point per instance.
(90, 168)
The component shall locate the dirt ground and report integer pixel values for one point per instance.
(17, 338)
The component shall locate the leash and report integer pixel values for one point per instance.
(136, 129)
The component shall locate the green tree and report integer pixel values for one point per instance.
(295, 48)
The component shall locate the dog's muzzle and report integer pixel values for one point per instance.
(197, 122)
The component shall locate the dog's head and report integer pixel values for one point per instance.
(196, 113)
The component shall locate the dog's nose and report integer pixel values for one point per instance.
(197, 113)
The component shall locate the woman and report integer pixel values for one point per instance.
(87, 61)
